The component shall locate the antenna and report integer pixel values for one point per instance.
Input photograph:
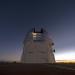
(34, 29)
(41, 30)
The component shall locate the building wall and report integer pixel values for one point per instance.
(37, 51)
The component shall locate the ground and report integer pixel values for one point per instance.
(36, 69)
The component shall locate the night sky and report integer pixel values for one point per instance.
(18, 17)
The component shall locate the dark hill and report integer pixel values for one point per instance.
(36, 69)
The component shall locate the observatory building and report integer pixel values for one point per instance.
(37, 47)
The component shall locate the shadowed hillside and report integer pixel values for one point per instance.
(36, 69)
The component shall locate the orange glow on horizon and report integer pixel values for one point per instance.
(65, 61)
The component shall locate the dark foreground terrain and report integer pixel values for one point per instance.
(36, 69)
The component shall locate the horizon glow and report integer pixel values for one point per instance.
(65, 56)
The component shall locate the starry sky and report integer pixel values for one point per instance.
(17, 17)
